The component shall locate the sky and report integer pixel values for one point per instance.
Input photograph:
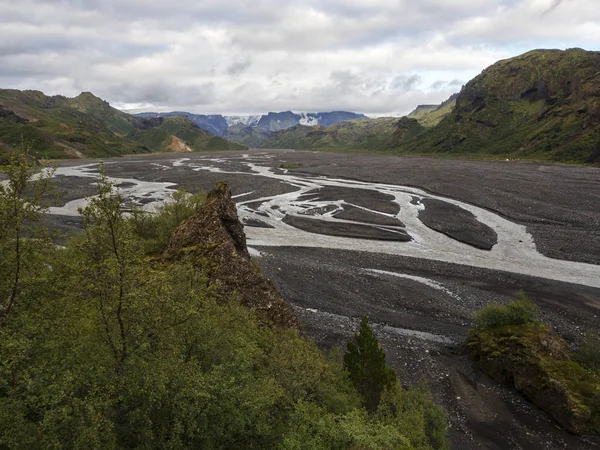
(249, 57)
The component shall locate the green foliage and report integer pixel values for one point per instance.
(413, 410)
(114, 349)
(564, 383)
(588, 352)
(431, 115)
(22, 242)
(155, 228)
(522, 311)
(366, 364)
(540, 105)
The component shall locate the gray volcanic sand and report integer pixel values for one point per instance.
(422, 330)
(421, 308)
(375, 201)
(354, 230)
(360, 215)
(457, 223)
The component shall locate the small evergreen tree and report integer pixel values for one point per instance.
(365, 362)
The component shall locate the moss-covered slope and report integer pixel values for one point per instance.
(369, 134)
(544, 104)
(539, 363)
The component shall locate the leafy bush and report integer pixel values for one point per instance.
(155, 228)
(588, 353)
(522, 311)
(112, 349)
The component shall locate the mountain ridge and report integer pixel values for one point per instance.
(87, 126)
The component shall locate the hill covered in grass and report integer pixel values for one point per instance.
(431, 115)
(87, 126)
(544, 104)
(366, 134)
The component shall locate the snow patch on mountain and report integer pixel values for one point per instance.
(249, 121)
(309, 120)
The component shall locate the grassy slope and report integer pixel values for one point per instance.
(541, 105)
(369, 134)
(59, 127)
(539, 361)
(250, 136)
(431, 115)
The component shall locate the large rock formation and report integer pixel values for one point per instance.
(214, 240)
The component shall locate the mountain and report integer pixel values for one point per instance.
(259, 127)
(431, 115)
(368, 134)
(214, 123)
(248, 135)
(544, 104)
(61, 127)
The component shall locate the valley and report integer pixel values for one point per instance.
(418, 244)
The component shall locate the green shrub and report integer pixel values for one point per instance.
(588, 353)
(522, 311)
(155, 228)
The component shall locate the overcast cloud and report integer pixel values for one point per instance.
(244, 57)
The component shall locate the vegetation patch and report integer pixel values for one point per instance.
(110, 343)
(513, 347)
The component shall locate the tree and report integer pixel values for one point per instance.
(365, 362)
(21, 206)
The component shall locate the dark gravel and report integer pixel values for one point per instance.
(457, 223)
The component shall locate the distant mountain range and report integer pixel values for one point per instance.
(232, 127)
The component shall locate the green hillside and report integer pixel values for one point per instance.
(544, 105)
(250, 136)
(87, 126)
(431, 115)
(366, 134)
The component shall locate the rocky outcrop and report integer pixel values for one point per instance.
(215, 241)
(534, 360)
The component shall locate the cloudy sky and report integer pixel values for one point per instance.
(245, 57)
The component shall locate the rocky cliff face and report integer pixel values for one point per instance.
(214, 240)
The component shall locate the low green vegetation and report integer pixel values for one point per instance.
(513, 347)
(588, 352)
(106, 344)
(290, 165)
(522, 311)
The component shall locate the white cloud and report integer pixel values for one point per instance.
(244, 56)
